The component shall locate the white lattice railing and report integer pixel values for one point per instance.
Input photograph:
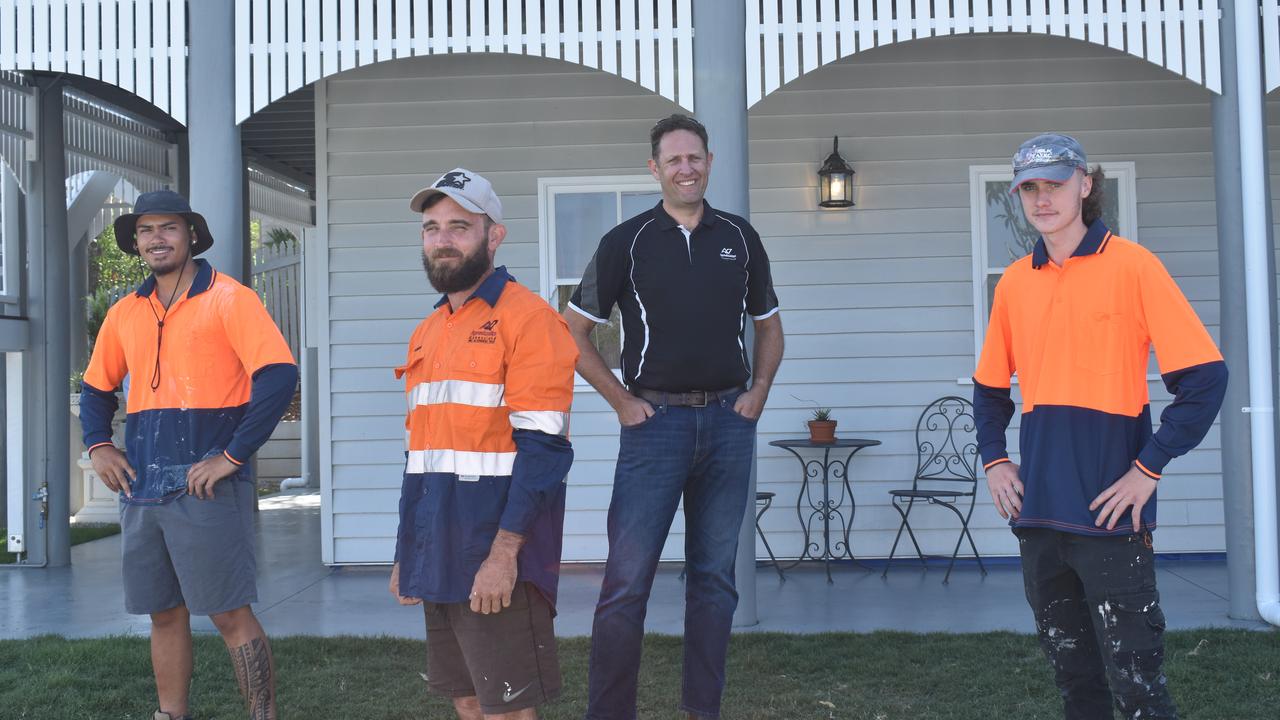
(17, 132)
(788, 39)
(275, 197)
(282, 45)
(98, 136)
(137, 45)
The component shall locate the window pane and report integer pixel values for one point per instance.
(607, 337)
(634, 203)
(1009, 235)
(1111, 206)
(581, 220)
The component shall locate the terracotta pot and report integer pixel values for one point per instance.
(822, 431)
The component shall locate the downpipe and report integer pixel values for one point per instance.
(1258, 311)
(41, 496)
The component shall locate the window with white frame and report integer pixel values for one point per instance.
(1001, 233)
(574, 213)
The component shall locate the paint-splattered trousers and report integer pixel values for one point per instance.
(1098, 616)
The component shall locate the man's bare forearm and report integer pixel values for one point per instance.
(506, 545)
(768, 351)
(591, 366)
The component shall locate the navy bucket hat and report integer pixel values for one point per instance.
(161, 202)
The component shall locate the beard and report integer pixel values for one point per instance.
(455, 278)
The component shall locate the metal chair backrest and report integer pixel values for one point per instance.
(946, 445)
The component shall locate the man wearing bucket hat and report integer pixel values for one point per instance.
(210, 376)
(489, 379)
(1076, 320)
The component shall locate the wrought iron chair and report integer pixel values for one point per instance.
(946, 473)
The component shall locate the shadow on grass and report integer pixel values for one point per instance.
(1214, 674)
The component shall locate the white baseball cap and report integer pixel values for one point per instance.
(470, 190)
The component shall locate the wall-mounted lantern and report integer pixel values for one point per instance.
(835, 180)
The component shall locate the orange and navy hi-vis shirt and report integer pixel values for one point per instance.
(1079, 336)
(213, 379)
(489, 387)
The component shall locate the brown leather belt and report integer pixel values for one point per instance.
(690, 398)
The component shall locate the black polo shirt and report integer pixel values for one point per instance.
(684, 297)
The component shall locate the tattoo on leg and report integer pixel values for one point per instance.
(252, 662)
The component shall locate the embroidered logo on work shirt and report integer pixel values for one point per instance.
(728, 254)
(485, 335)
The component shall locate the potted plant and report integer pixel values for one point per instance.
(822, 429)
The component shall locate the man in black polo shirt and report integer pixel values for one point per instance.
(685, 278)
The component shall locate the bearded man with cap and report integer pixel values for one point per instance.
(209, 377)
(1076, 320)
(489, 381)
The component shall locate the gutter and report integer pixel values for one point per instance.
(1262, 412)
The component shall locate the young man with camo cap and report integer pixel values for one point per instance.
(1076, 320)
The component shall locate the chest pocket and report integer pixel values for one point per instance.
(1100, 340)
(479, 362)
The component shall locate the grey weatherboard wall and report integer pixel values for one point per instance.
(877, 300)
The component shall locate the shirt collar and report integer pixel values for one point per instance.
(1096, 239)
(666, 222)
(203, 280)
(489, 291)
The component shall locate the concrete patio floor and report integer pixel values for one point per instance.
(300, 596)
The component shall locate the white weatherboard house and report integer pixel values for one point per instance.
(884, 303)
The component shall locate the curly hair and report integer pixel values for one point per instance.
(1091, 206)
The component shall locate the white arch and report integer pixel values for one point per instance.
(279, 49)
(137, 46)
(1181, 36)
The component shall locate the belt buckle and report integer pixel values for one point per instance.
(702, 404)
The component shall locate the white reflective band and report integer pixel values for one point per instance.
(461, 462)
(461, 392)
(547, 421)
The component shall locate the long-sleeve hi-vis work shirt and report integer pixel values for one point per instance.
(1079, 336)
(214, 378)
(489, 387)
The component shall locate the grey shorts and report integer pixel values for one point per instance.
(507, 659)
(192, 552)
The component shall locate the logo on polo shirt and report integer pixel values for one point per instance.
(485, 335)
(728, 254)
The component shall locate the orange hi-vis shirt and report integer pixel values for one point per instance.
(191, 380)
(489, 388)
(1078, 336)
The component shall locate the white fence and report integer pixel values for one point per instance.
(1181, 35)
(284, 211)
(282, 45)
(277, 276)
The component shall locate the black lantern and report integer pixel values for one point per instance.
(835, 180)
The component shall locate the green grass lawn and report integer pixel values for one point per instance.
(79, 534)
(1214, 674)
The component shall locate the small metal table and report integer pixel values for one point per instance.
(826, 509)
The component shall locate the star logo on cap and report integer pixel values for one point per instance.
(454, 180)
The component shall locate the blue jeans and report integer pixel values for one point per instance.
(703, 454)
